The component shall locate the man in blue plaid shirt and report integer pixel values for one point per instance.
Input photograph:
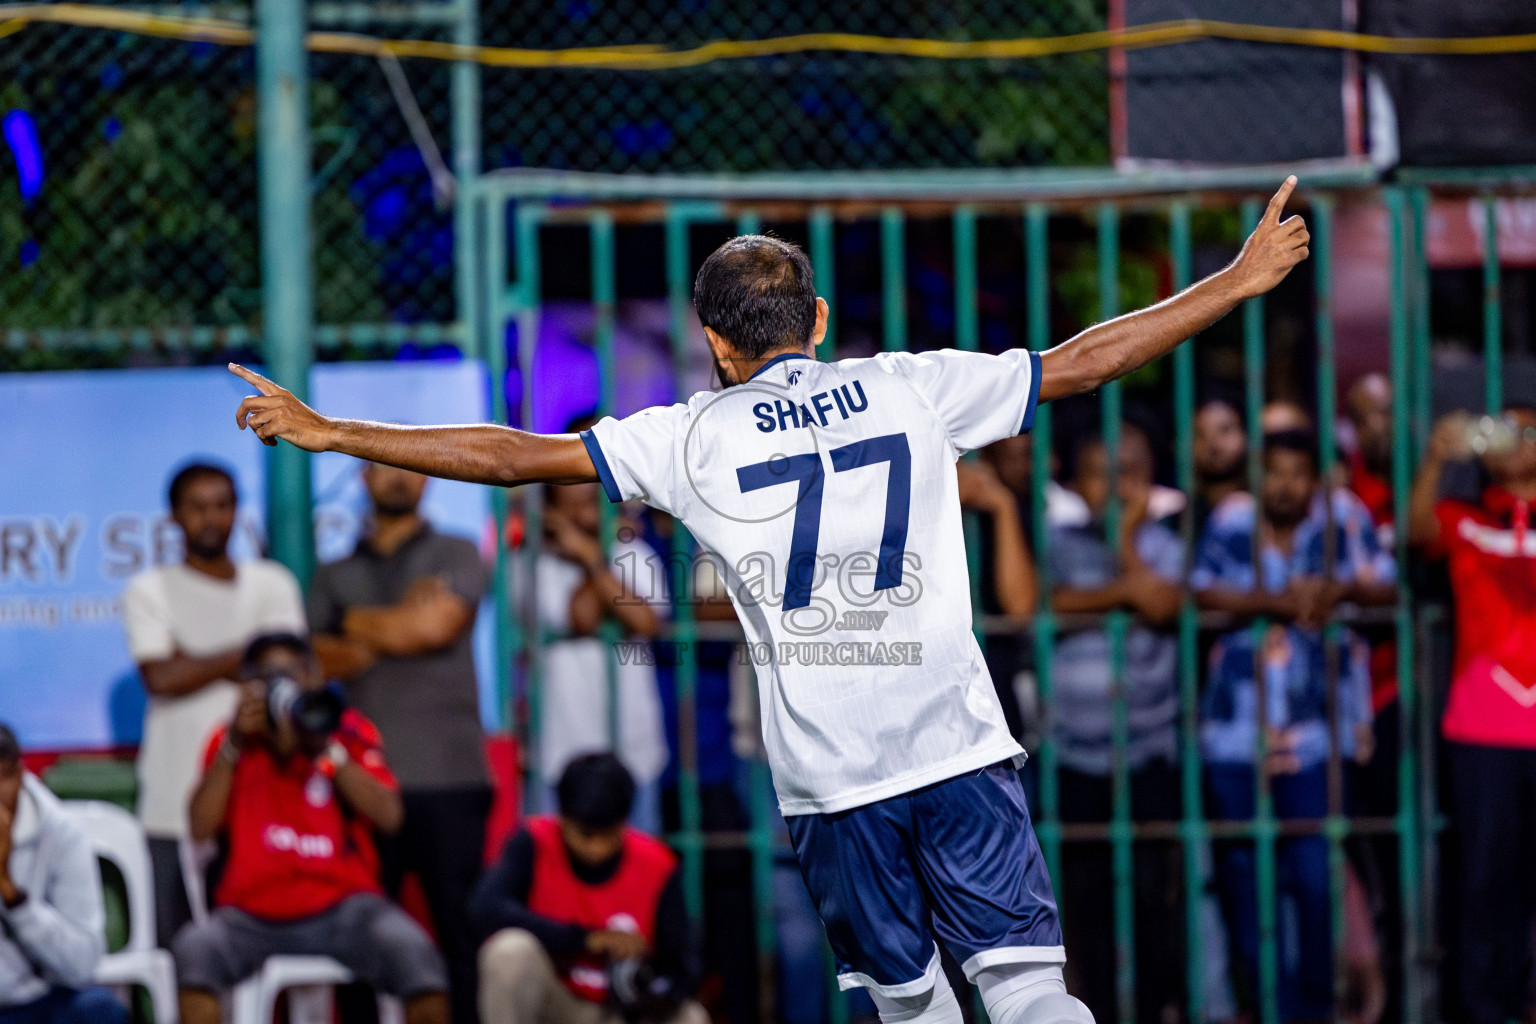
(1296, 595)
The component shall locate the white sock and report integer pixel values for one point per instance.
(1029, 994)
(936, 1006)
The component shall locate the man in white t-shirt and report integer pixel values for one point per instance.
(577, 590)
(188, 626)
(828, 492)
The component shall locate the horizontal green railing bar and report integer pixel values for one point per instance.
(1020, 184)
(326, 336)
(1471, 177)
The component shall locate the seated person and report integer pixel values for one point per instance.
(51, 916)
(294, 784)
(585, 916)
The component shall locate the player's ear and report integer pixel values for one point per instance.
(718, 346)
(819, 332)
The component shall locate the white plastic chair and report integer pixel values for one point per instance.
(117, 838)
(310, 982)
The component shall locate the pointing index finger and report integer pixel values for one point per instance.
(256, 380)
(1277, 204)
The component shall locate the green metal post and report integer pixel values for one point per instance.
(1264, 829)
(1038, 324)
(1192, 829)
(1407, 825)
(967, 326)
(465, 96)
(1335, 824)
(526, 299)
(1422, 376)
(604, 287)
(893, 277)
(893, 262)
(491, 346)
(1117, 623)
(824, 264)
(968, 339)
(287, 274)
(1493, 314)
(691, 841)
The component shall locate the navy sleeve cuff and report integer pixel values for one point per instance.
(1034, 393)
(611, 486)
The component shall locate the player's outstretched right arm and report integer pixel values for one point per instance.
(481, 453)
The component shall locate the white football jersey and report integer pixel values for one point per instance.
(826, 493)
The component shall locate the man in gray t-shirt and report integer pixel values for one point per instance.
(394, 622)
(1141, 578)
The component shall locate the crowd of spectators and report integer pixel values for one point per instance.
(302, 760)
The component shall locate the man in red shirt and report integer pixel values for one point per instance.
(295, 786)
(585, 916)
(1490, 715)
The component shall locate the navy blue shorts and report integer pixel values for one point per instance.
(956, 861)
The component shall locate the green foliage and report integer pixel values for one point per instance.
(149, 213)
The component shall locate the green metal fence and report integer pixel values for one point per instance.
(1041, 208)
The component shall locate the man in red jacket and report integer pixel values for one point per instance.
(585, 915)
(295, 785)
(1490, 715)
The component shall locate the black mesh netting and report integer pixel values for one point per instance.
(797, 112)
(128, 188)
(128, 198)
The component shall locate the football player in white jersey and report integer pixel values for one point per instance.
(826, 494)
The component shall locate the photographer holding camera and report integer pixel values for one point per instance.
(295, 784)
(585, 916)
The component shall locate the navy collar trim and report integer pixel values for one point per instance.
(777, 359)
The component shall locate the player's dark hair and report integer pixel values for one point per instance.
(1299, 441)
(596, 791)
(758, 293)
(10, 749)
(193, 471)
(258, 648)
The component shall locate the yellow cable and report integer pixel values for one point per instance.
(647, 57)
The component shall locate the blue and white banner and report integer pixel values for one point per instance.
(85, 461)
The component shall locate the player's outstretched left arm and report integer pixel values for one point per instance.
(1117, 347)
(481, 453)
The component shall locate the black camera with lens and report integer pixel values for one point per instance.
(640, 992)
(316, 712)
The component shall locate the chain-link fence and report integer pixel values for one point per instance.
(129, 220)
(129, 192)
(808, 111)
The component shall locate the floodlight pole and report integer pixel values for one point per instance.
(287, 292)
